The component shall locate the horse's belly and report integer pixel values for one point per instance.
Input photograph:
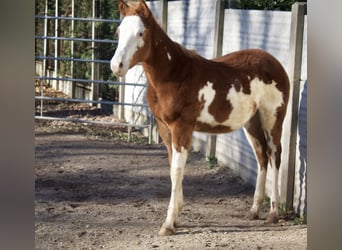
(237, 118)
(229, 113)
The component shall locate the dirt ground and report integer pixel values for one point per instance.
(96, 192)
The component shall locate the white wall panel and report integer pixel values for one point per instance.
(191, 23)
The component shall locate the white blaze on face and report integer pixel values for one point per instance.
(131, 32)
(266, 97)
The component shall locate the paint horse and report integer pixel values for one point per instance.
(187, 93)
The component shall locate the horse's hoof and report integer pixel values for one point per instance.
(252, 216)
(166, 231)
(272, 218)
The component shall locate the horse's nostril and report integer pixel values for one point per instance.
(121, 65)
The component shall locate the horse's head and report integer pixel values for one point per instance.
(133, 45)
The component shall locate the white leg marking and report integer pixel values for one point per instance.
(275, 191)
(176, 200)
(273, 214)
(259, 192)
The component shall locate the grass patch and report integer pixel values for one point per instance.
(286, 214)
(212, 161)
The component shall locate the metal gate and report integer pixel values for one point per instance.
(78, 89)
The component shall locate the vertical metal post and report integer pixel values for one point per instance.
(122, 87)
(163, 9)
(219, 21)
(56, 44)
(150, 130)
(129, 132)
(122, 93)
(294, 70)
(218, 38)
(44, 60)
(92, 51)
(93, 94)
(72, 83)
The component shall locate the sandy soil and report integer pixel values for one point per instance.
(103, 193)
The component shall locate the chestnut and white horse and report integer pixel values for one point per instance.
(187, 93)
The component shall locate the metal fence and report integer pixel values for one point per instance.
(44, 76)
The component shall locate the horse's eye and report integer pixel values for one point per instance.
(140, 34)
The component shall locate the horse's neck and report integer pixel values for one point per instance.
(162, 62)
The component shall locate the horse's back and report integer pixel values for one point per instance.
(257, 63)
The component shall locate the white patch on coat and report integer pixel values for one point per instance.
(265, 97)
(168, 56)
(207, 93)
(167, 53)
(130, 40)
(270, 101)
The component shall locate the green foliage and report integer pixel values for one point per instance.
(300, 220)
(267, 201)
(212, 162)
(286, 214)
(265, 4)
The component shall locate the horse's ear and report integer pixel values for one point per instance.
(123, 7)
(144, 12)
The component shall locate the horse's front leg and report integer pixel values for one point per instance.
(176, 200)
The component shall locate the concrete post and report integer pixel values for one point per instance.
(163, 9)
(218, 38)
(294, 71)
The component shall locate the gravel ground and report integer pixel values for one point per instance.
(99, 192)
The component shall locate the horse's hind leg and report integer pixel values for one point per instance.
(272, 122)
(274, 151)
(256, 136)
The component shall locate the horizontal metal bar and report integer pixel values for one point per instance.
(90, 121)
(88, 81)
(46, 98)
(76, 39)
(79, 19)
(71, 59)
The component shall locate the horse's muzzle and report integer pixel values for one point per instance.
(118, 68)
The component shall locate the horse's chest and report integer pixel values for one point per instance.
(170, 104)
